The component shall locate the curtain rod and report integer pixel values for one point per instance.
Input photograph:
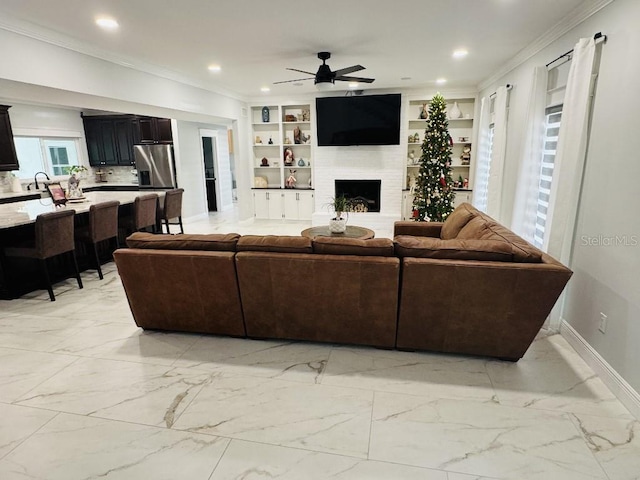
(508, 86)
(596, 37)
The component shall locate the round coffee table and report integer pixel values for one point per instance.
(351, 232)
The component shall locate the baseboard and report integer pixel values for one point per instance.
(612, 379)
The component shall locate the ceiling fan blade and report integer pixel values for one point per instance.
(348, 70)
(355, 79)
(297, 80)
(301, 71)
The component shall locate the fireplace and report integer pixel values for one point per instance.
(363, 194)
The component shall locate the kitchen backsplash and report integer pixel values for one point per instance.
(113, 174)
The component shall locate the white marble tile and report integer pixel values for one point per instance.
(479, 438)
(252, 461)
(301, 362)
(22, 370)
(133, 392)
(77, 448)
(119, 341)
(464, 476)
(34, 332)
(18, 423)
(614, 442)
(314, 417)
(436, 376)
(552, 376)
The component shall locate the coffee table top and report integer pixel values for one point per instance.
(351, 232)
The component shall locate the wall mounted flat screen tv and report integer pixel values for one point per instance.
(364, 120)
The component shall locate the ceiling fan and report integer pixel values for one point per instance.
(324, 78)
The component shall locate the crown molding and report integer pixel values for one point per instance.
(570, 21)
(42, 34)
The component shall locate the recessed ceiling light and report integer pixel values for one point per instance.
(107, 23)
(297, 84)
(441, 81)
(353, 84)
(214, 68)
(405, 78)
(460, 53)
(265, 89)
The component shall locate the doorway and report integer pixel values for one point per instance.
(209, 157)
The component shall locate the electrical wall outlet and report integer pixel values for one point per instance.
(603, 323)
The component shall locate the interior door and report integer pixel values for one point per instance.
(209, 157)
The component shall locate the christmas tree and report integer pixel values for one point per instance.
(434, 194)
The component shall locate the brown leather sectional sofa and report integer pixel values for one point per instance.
(466, 286)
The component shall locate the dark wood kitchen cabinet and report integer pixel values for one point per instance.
(109, 140)
(8, 157)
(153, 130)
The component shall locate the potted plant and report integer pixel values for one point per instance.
(76, 170)
(340, 205)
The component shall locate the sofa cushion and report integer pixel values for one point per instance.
(210, 242)
(523, 251)
(475, 228)
(456, 221)
(454, 249)
(378, 247)
(274, 243)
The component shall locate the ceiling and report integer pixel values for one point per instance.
(254, 41)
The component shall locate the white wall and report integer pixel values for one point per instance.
(605, 276)
(54, 76)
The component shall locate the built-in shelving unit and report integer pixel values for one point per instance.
(271, 142)
(461, 131)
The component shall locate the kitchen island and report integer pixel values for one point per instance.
(17, 220)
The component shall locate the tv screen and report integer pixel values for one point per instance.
(366, 120)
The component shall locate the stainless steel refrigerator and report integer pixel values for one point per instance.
(155, 165)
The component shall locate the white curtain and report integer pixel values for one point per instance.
(570, 153)
(526, 199)
(498, 152)
(483, 157)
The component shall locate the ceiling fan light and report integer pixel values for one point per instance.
(325, 86)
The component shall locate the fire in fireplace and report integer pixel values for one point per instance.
(364, 195)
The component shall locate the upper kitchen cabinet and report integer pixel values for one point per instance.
(153, 130)
(109, 140)
(8, 157)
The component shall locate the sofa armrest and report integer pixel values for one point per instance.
(418, 229)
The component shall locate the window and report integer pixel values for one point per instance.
(553, 117)
(482, 174)
(41, 154)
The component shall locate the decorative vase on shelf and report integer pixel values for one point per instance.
(455, 111)
(265, 114)
(301, 163)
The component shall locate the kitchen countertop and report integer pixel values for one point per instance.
(25, 212)
(85, 185)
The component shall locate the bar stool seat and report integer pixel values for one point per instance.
(103, 225)
(54, 235)
(171, 208)
(145, 208)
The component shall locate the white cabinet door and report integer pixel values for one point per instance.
(407, 206)
(462, 197)
(260, 204)
(275, 204)
(290, 204)
(305, 205)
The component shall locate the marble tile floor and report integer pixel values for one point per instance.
(85, 394)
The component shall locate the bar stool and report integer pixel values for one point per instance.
(103, 225)
(53, 237)
(145, 209)
(172, 208)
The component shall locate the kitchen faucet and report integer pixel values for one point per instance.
(35, 178)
